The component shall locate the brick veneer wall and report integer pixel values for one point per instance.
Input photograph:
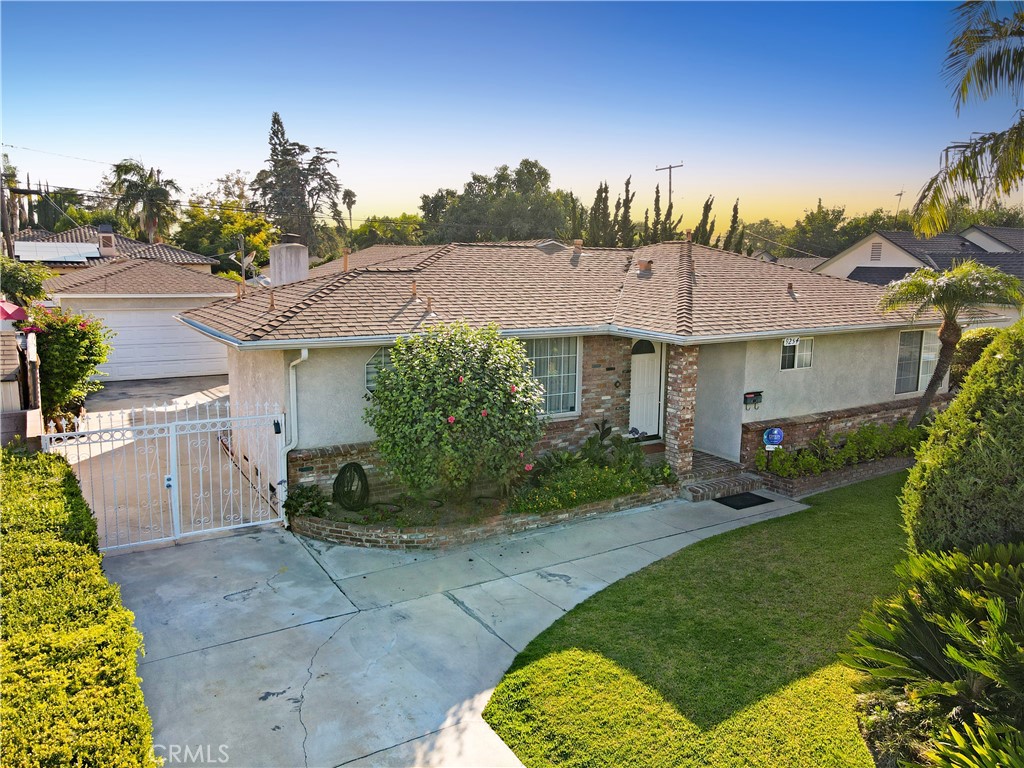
(680, 404)
(797, 487)
(801, 430)
(437, 537)
(606, 360)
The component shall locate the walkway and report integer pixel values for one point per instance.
(270, 650)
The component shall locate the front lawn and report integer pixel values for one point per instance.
(722, 654)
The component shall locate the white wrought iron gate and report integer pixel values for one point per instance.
(162, 473)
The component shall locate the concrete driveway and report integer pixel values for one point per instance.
(266, 649)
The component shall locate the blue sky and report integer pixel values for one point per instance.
(775, 103)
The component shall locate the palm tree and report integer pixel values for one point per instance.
(348, 199)
(143, 192)
(967, 285)
(985, 57)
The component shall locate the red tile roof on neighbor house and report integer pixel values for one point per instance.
(127, 248)
(139, 277)
(690, 293)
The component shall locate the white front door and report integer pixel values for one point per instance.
(645, 387)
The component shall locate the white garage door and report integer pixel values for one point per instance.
(151, 344)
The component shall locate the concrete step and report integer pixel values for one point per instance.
(708, 489)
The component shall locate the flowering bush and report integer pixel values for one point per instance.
(455, 405)
(71, 347)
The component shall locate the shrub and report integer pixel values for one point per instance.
(71, 348)
(968, 352)
(306, 500)
(70, 691)
(575, 485)
(951, 636)
(967, 485)
(986, 745)
(23, 281)
(456, 404)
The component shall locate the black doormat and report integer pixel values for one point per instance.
(743, 500)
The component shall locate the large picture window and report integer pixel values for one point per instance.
(919, 352)
(556, 367)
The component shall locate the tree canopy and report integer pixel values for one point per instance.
(144, 193)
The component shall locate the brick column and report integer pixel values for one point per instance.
(680, 400)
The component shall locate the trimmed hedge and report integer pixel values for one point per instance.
(968, 484)
(968, 352)
(68, 648)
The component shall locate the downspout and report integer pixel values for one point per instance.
(293, 421)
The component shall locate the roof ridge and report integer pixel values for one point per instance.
(114, 268)
(335, 281)
(684, 294)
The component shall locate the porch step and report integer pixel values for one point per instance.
(709, 489)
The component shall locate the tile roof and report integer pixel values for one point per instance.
(374, 255)
(800, 262)
(1012, 262)
(922, 248)
(1012, 237)
(31, 234)
(879, 275)
(691, 291)
(126, 247)
(139, 277)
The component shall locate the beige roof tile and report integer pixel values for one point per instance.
(139, 277)
(691, 292)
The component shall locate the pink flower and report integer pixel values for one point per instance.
(32, 329)
(528, 467)
(483, 412)
(451, 419)
(460, 379)
(521, 454)
(514, 389)
(83, 326)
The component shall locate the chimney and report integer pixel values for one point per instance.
(106, 240)
(689, 235)
(645, 265)
(289, 261)
(344, 259)
(577, 247)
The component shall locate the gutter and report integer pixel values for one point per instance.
(292, 422)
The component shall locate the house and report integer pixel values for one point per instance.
(138, 300)
(883, 256)
(87, 246)
(697, 347)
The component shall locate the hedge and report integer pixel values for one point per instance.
(68, 647)
(967, 486)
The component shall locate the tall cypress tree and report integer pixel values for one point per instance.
(734, 226)
(627, 229)
(656, 225)
(702, 234)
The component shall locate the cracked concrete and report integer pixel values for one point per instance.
(289, 652)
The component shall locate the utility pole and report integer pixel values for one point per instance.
(899, 201)
(669, 169)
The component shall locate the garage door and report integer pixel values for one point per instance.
(151, 344)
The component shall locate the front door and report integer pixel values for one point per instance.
(645, 387)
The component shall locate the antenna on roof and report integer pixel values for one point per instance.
(896, 217)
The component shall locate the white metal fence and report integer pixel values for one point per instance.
(166, 472)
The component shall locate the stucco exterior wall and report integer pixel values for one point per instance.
(859, 255)
(256, 380)
(331, 397)
(719, 410)
(847, 370)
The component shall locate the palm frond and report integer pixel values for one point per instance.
(986, 55)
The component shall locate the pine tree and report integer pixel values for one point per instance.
(704, 231)
(600, 231)
(656, 225)
(645, 233)
(734, 226)
(627, 229)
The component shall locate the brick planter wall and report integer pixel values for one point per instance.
(437, 537)
(796, 487)
(801, 430)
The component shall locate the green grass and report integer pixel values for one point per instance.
(722, 655)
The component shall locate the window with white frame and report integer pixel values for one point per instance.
(796, 353)
(381, 359)
(918, 355)
(556, 366)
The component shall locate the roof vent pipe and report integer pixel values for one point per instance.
(689, 235)
(344, 259)
(430, 303)
(414, 289)
(577, 247)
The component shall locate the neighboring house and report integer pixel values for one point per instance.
(90, 245)
(19, 388)
(138, 299)
(882, 257)
(697, 347)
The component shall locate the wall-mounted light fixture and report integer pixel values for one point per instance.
(752, 400)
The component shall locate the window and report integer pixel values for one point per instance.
(796, 353)
(381, 359)
(556, 367)
(919, 352)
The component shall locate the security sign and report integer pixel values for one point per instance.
(773, 438)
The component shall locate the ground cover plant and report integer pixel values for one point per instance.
(723, 654)
(830, 452)
(68, 649)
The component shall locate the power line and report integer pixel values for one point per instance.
(57, 154)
